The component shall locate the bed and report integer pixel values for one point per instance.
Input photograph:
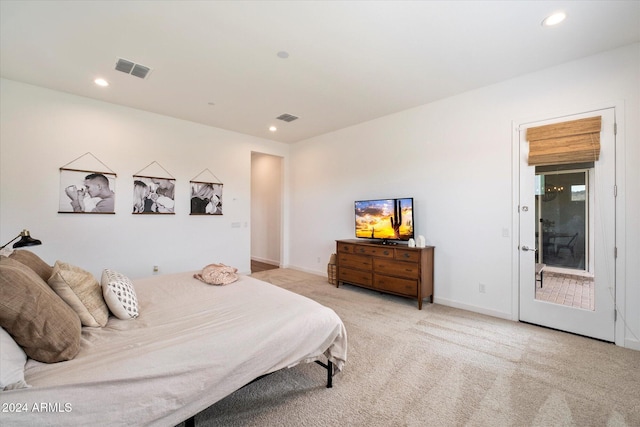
(191, 345)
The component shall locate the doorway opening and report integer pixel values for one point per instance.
(267, 184)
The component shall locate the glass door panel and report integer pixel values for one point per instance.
(562, 218)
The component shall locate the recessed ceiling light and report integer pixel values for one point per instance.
(282, 54)
(273, 128)
(554, 19)
(101, 82)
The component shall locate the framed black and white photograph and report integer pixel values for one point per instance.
(153, 195)
(206, 198)
(86, 192)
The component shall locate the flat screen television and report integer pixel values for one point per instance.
(387, 220)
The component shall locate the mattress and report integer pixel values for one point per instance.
(192, 345)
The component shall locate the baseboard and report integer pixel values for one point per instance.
(632, 344)
(306, 270)
(265, 260)
(473, 308)
(443, 301)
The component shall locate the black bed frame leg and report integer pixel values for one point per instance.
(329, 367)
(191, 422)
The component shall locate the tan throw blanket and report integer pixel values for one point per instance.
(217, 274)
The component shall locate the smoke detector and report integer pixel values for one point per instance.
(287, 117)
(132, 68)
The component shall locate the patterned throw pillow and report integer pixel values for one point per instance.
(119, 294)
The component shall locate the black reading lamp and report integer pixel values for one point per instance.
(26, 240)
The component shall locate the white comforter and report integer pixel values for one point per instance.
(192, 345)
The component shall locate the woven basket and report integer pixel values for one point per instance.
(331, 270)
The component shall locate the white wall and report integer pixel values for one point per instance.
(454, 157)
(266, 207)
(42, 130)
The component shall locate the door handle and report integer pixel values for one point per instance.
(527, 248)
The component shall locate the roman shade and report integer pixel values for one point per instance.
(574, 141)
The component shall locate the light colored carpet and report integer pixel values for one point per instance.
(439, 367)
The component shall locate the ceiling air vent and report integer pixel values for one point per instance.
(132, 68)
(287, 117)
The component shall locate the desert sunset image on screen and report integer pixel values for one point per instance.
(384, 219)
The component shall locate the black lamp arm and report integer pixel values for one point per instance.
(10, 241)
(26, 240)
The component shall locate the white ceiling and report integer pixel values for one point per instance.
(349, 61)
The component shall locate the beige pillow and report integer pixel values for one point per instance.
(34, 262)
(119, 294)
(46, 328)
(81, 291)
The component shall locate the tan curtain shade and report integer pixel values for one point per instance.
(575, 141)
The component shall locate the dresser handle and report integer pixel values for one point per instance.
(386, 252)
(406, 255)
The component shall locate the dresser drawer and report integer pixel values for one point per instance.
(397, 286)
(357, 277)
(346, 248)
(408, 270)
(376, 251)
(354, 261)
(381, 251)
(407, 255)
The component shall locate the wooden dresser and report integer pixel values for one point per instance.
(393, 269)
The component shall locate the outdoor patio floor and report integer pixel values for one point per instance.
(567, 289)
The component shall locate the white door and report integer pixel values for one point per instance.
(598, 320)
